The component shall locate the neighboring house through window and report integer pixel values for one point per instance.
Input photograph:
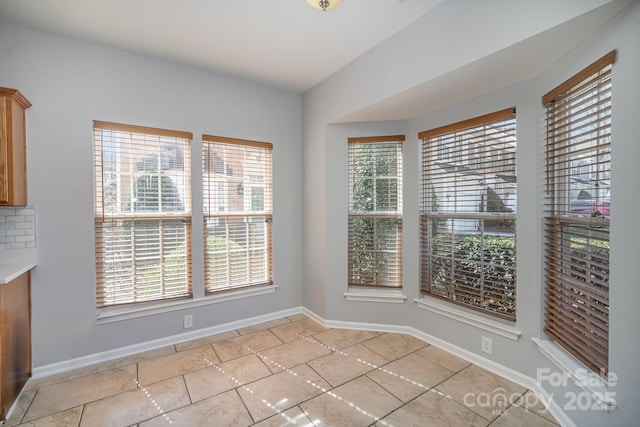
(467, 213)
(576, 226)
(142, 214)
(237, 202)
(375, 212)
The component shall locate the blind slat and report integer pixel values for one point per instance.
(576, 226)
(467, 213)
(565, 87)
(142, 214)
(237, 201)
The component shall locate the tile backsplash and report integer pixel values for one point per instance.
(17, 227)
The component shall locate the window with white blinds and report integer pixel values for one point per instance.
(576, 226)
(467, 213)
(375, 211)
(142, 204)
(237, 201)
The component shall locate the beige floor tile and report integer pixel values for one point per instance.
(161, 368)
(225, 409)
(345, 365)
(481, 391)
(62, 396)
(409, 376)
(245, 344)
(26, 397)
(263, 326)
(188, 345)
(394, 346)
(99, 367)
(138, 405)
(279, 392)
(225, 376)
(357, 403)
(68, 418)
(151, 354)
(443, 358)
(516, 416)
(433, 409)
(290, 417)
(230, 379)
(296, 330)
(297, 317)
(531, 402)
(341, 338)
(293, 353)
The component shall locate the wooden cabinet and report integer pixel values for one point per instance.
(13, 159)
(15, 340)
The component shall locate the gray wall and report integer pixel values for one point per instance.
(70, 83)
(326, 201)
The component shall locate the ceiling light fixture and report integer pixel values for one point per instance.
(323, 4)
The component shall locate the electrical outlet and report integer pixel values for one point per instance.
(487, 345)
(188, 321)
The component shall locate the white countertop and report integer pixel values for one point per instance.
(8, 272)
(14, 263)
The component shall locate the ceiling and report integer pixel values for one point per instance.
(281, 43)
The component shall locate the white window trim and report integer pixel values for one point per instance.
(599, 389)
(117, 314)
(375, 295)
(452, 312)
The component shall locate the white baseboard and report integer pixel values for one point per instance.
(489, 365)
(105, 356)
(462, 353)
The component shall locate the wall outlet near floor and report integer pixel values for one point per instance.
(188, 321)
(487, 345)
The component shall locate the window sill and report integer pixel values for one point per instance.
(472, 319)
(600, 391)
(376, 295)
(110, 315)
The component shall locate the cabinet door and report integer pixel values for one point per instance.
(5, 148)
(13, 166)
(15, 331)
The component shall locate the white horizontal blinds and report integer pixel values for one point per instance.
(375, 211)
(468, 205)
(578, 169)
(237, 199)
(142, 214)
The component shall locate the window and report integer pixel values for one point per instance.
(375, 211)
(467, 213)
(142, 214)
(576, 228)
(236, 181)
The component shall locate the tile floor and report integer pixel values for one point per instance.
(286, 372)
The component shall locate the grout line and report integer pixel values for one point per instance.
(244, 404)
(24, 414)
(329, 390)
(164, 414)
(81, 415)
(187, 387)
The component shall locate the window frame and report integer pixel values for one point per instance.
(382, 219)
(214, 188)
(140, 141)
(576, 234)
(438, 147)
